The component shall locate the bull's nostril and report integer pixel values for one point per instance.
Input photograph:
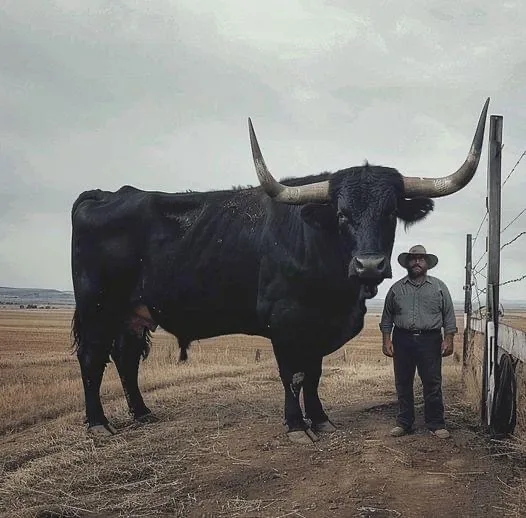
(369, 266)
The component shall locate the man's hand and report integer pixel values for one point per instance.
(387, 347)
(447, 346)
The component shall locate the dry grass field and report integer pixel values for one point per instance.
(218, 448)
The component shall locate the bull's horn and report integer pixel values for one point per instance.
(437, 187)
(311, 193)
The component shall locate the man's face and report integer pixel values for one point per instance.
(416, 265)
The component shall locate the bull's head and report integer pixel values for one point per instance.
(365, 203)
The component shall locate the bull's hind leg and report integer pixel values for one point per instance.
(126, 353)
(93, 356)
(313, 407)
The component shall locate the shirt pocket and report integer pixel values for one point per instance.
(404, 304)
(432, 303)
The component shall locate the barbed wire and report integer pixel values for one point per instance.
(479, 271)
(478, 292)
(513, 168)
(479, 229)
(518, 279)
(474, 268)
(475, 273)
(481, 274)
(513, 220)
(513, 240)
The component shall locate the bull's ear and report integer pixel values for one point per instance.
(320, 217)
(412, 210)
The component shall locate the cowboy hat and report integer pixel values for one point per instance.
(431, 260)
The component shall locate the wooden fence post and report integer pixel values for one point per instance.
(493, 202)
(467, 300)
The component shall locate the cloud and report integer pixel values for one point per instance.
(100, 94)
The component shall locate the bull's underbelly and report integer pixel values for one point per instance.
(330, 324)
(208, 323)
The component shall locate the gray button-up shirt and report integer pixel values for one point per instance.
(426, 306)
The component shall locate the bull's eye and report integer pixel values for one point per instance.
(342, 218)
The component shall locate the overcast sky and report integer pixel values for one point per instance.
(99, 94)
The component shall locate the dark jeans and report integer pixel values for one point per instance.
(422, 352)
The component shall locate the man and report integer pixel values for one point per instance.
(419, 307)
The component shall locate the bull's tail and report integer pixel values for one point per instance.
(77, 329)
(184, 345)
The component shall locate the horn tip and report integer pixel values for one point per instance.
(251, 131)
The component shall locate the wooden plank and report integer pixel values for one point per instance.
(478, 325)
(511, 340)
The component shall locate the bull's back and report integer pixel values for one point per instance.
(193, 252)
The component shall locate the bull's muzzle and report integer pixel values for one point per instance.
(369, 268)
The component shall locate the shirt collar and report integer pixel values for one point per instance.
(406, 280)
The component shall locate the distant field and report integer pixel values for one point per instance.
(516, 319)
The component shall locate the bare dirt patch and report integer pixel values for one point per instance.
(219, 449)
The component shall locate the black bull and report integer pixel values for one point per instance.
(291, 261)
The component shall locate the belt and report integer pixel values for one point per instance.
(418, 332)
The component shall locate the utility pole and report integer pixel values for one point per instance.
(467, 300)
(493, 203)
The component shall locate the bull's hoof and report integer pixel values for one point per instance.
(325, 426)
(146, 418)
(102, 430)
(302, 436)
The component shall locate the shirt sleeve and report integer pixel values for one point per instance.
(386, 323)
(448, 311)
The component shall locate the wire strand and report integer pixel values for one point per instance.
(479, 229)
(518, 279)
(478, 262)
(513, 220)
(478, 292)
(513, 240)
(513, 168)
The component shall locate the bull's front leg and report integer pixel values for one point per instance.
(313, 408)
(293, 379)
(292, 343)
